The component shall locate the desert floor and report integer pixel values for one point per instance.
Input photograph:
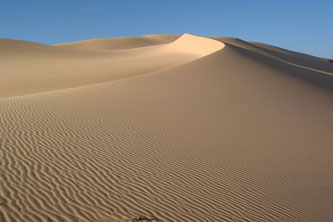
(166, 127)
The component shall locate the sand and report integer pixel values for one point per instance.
(166, 127)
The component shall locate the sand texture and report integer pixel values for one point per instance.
(166, 127)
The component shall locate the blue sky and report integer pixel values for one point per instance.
(304, 26)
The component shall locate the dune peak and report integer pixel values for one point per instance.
(198, 45)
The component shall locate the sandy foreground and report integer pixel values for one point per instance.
(166, 127)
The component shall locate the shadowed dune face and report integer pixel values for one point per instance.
(329, 60)
(195, 129)
(286, 56)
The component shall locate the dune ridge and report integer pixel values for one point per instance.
(224, 131)
(122, 42)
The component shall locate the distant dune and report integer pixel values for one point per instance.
(122, 42)
(165, 127)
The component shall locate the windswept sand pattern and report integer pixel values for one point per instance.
(231, 134)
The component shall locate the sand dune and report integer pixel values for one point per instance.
(294, 58)
(195, 129)
(48, 68)
(122, 42)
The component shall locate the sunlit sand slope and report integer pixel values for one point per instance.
(30, 67)
(227, 134)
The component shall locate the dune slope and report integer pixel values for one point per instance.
(122, 42)
(232, 134)
(28, 68)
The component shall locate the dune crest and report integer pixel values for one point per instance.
(198, 45)
(121, 42)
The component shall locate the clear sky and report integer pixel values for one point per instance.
(305, 26)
